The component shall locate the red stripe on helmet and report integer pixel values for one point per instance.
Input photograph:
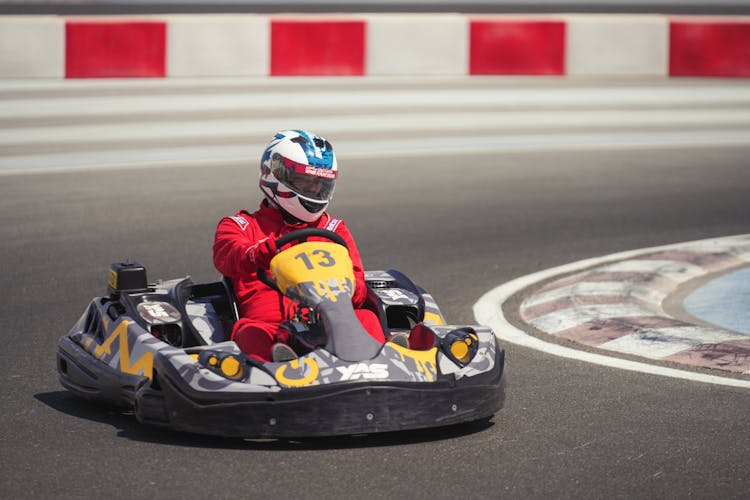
(301, 168)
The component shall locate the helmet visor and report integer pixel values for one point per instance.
(305, 180)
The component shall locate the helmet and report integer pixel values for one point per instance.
(298, 172)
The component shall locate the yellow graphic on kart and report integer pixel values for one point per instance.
(321, 269)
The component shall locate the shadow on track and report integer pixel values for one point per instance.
(130, 428)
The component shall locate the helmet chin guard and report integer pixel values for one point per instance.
(298, 173)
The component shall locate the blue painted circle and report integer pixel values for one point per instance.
(724, 301)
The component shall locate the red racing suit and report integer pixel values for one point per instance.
(261, 309)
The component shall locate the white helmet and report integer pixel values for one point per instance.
(298, 172)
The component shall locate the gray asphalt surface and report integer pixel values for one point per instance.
(459, 225)
(568, 430)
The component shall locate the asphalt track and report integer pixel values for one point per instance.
(459, 224)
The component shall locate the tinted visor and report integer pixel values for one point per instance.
(305, 180)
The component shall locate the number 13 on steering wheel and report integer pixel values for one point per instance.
(325, 264)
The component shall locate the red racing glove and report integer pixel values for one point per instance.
(262, 252)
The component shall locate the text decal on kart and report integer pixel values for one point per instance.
(161, 349)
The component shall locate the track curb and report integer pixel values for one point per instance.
(488, 310)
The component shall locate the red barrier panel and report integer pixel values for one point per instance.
(706, 48)
(508, 47)
(317, 48)
(109, 49)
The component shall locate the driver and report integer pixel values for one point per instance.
(298, 173)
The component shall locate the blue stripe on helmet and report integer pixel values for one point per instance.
(320, 157)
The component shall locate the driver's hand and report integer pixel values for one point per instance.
(262, 252)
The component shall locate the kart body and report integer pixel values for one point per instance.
(162, 350)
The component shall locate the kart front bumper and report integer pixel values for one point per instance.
(339, 409)
(325, 411)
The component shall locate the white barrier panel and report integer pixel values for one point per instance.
(218, 45)
(606, 45)
(32, 47)
(417, 45)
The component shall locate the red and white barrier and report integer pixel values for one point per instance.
(407, 44)
(101, 49)
(503, 45)
(617, 45)
(217, 45)
(317, 46)
(373, 44)
(32, 47)
(709, 46)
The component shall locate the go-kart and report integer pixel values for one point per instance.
(161, 350)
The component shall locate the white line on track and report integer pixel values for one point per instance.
(488, 311)
(378, 148)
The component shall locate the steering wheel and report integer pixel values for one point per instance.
(299, 236)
